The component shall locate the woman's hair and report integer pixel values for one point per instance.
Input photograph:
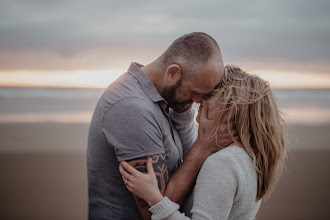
(253, 110)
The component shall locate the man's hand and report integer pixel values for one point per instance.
(207, 126)
(182, 181)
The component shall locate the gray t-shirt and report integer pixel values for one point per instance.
(131, 120)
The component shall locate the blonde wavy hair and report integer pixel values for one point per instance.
(253, 110)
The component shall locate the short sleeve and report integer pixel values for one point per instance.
(130, 126)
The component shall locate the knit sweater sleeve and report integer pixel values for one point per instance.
(215, 191)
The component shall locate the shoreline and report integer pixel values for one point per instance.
(43, 173)
(72, 137)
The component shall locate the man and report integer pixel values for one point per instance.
(147, 113)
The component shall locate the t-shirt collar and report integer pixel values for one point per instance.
(148, 87)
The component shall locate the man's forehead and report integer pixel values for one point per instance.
(206, 80)
(214, 89)
(218, 86)
(204, 88)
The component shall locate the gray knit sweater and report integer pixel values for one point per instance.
(226, 188)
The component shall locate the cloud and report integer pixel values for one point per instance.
(64, 32)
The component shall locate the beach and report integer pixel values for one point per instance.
(43, 173)
(303, 190)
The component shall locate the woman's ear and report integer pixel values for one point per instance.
(173, 74)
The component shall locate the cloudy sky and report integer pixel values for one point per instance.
(59, 37)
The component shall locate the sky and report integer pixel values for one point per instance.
(90, 43)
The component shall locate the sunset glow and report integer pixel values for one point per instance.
(46, 45)
(101, 79)
(294, 80)
(89, 79)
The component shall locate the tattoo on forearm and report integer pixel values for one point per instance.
(140, 202)
(161, 172)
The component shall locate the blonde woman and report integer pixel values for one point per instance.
(232, 182)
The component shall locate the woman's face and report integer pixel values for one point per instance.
(211, 112)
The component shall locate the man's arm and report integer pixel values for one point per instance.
(185, 126)
(130, 127)
(183, 180)
(161, 172)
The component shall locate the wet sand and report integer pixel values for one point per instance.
(43, 173)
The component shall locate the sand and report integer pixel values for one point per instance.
(43, 173)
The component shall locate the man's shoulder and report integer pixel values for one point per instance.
(124, 92)
(124, 86)
(135, 104)
(133, 110)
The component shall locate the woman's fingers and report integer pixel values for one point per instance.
(129, 168)
(140, 184)
(130, 174)
(126, 171)
(150, 167)
(129, 187)
(121, 170)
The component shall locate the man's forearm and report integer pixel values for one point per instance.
(160, 168)
(183, 180)
(185, 126)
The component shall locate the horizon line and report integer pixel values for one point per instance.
(41, 86)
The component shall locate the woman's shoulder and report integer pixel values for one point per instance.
(233, 168)
(232, 152)
(232, 157)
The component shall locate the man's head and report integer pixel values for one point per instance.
(193, 68)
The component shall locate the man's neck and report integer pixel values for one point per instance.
(154, 72)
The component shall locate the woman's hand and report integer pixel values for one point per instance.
(142, 185)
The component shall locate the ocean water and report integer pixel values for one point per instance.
(76, 105)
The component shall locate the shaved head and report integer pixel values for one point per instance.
(192, 52)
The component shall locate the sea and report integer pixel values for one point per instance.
(76, 105)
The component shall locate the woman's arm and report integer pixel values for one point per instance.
(215, 191)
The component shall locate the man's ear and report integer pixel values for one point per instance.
(173, 74)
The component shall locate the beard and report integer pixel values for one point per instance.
(169, 96)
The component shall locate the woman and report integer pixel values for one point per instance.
(233, 181)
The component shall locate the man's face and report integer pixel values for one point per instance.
(197, 88)
(170, 95)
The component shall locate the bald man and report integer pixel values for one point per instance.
(147, 113)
